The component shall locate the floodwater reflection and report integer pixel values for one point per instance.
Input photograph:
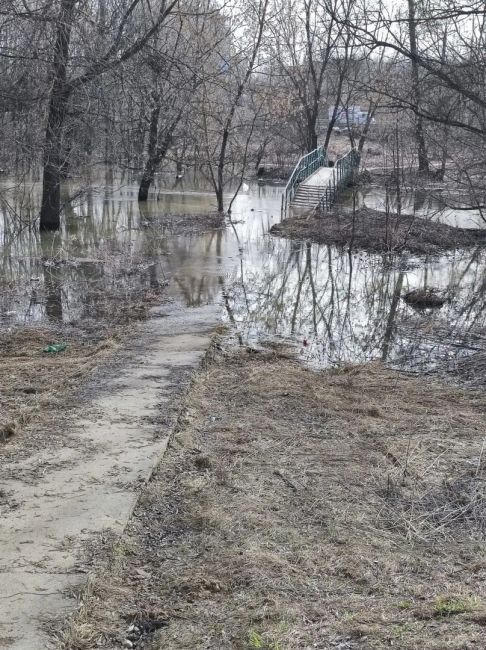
(334, 305)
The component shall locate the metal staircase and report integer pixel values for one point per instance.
(314, 183)
(306, 166)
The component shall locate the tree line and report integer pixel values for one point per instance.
(224, 86)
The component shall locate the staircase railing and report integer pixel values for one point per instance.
(306, 166)
(342, 176)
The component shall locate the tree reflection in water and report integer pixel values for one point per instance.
(346, 306)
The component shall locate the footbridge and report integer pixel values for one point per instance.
(316, 182)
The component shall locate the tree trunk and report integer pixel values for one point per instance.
(151, 167)
(149, 170)
(330, 127)
(156, 153)
(311, 124)
(219, 199)
(219, 185)
(364, 133)
(260, 153)
(313, 139)
(423, 161)
(58, 101)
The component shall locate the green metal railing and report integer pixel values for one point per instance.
(342, 176)
(306, 166)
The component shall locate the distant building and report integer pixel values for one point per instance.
(348, 115)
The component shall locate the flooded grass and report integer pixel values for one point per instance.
(183, 224)
(301, 509)
(114, 259)
(423, 298)
(86, 286)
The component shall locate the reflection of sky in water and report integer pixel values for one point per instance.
(337, 307)
(421, 205)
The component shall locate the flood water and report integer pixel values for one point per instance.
(331, 306)
(422, 204)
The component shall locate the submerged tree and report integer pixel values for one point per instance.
(226, 115)
(121, 32)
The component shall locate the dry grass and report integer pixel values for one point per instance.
(374, 231)
(341, 509)
(184, 224)
(35, 383)
(31, 378)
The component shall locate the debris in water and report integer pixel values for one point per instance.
(425, 298)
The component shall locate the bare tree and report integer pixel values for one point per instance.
(130, 27)
(224, 107)
(313, 49)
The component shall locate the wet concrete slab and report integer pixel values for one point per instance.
(320, 178)
(94, 479)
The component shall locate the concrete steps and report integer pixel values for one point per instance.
(307, 196)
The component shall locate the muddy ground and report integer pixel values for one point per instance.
(378, 232)
(299, 509)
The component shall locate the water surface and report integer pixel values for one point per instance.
(330, 305)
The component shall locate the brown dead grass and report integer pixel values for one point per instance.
(31, 379)
(184, 224)
(35, 383)
(341, 509)
(374, 231)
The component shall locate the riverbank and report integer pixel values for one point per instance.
(299, 509)
(377, 232)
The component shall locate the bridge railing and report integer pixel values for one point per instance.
(343, 174)
(306, 166)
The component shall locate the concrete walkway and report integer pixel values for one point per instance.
(87, 481)
(319, 178)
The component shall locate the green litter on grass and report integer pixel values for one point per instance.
(55, 348)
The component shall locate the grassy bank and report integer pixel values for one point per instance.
(293, 509)
(378, 232)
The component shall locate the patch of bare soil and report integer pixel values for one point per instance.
(378, 232)
(294, 509)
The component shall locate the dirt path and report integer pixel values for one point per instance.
(341, 509)
(69, 483)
